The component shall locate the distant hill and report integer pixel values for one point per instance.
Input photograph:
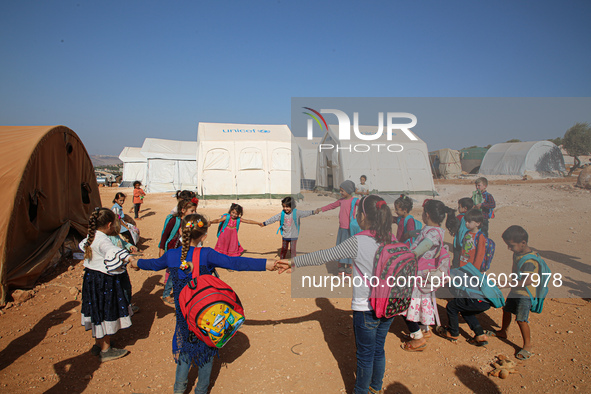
(102, 160)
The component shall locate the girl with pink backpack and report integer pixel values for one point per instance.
(375, 218)
(433, 260)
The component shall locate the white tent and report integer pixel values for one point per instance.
(447, 161)
(135, 166)
(390, 172)
(172, 165)
(515, 158)
(308, 158)
(247, 161)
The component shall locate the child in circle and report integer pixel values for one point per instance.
(105, 307)
(404, 220)
(187, 351)
(347, 189)
(428, 245)
(184, 195)
(290, 225)
(131, 248)
(228, 243)
(374, 215)
(171, 239)
(117, 208)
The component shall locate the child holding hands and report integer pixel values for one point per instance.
(228, 243)
(289, 225)
(347, 189)
(179, 262)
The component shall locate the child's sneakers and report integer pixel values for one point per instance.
(95, 350)
(112, 354)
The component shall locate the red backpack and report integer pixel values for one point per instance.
(394, 265)
(212, 309)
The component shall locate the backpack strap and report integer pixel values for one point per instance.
(294, 215)
(522, 260)
(353, 202)
(195, 261)
(223, 225)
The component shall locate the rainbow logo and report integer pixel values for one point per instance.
(316, 118)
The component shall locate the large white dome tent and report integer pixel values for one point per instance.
(246, 161)
(515, 158)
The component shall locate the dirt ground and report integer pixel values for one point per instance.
(300, 345)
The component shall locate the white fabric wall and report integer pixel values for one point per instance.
(135, 166)
(246, 163)
(171, 165)
(405, 171)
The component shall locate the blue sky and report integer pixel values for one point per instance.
(119, 71)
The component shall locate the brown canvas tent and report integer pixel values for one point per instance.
(48, 187)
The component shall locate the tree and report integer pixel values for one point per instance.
(514, 140)
(556, 141)
(577, 142)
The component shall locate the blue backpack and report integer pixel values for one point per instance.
(294, 213)
(537, 303)
(418, 226)
(223, 224)
(353, 225)
(488, 254)
(174, 231)
(484, 291)
(461, 234)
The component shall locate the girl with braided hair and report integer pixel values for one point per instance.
(105, 306)
(179, 263)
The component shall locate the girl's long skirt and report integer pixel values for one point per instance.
(228, 243)
(105, 306)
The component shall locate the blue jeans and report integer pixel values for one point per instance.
(182, 375)
(167, 287)
(370, 336)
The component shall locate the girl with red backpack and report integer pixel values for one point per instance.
(186, 349)
(171, 239)
(375, 218)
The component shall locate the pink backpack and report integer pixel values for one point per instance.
(394, 265)
(440, 259)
